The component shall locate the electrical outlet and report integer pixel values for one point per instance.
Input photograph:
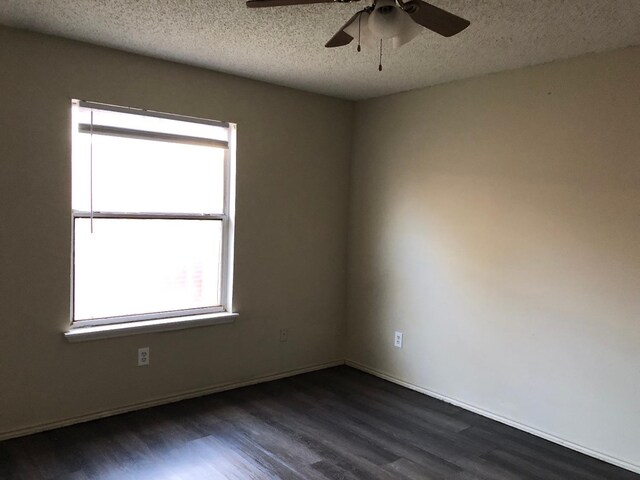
(284, 334)
(143, 356)
(397, 340)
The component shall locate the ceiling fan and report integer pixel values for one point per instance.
(397, 20)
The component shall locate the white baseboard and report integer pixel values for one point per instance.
(512, 423)
(20, 432)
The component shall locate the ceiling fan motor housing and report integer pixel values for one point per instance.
(409, 7)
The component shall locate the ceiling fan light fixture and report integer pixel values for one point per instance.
(392, 23)
(409, 31)
(387, 20)
(360, 31)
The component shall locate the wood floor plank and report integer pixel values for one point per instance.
(386, 402)
(353, 452)
(417, 471)
(338, 423)
(397, 438)
(550, 455)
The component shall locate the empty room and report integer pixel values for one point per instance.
(320, 239)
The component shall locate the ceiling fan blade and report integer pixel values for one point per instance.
(434, 18)
(282, 3)
(342, 38)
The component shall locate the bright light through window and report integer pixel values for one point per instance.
(152, 215)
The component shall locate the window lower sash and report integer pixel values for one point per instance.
(150, 316)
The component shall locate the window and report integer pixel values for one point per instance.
(152, 208)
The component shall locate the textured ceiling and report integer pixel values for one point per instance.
(285, 45)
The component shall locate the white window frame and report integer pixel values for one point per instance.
(227, 217)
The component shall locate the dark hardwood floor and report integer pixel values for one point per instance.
(333, 424)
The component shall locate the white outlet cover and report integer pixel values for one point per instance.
(143, 356)
(284, 334)
(397, 340)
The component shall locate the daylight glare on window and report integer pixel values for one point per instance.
(131, 175)
(138, 266)
(149, 214)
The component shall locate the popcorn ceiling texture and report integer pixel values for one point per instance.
(285, 45)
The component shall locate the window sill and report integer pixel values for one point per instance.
(98, 332)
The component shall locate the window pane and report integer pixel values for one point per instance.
(132, 175)
(133, 266)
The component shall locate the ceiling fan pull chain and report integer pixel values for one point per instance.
(380, 64)
(359, 22)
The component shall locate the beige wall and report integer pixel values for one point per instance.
(496, 222)
(293, 156)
